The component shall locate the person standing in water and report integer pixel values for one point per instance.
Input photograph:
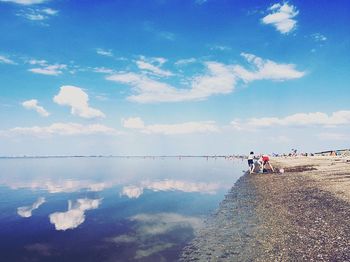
(251, 162)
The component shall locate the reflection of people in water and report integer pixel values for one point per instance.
(251, 162)
(265, 160)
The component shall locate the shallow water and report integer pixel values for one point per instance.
(107, 209)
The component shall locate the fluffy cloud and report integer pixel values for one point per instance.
(25, 2)
(281, 16)
(170, 185)
(266, 70)
(104, 52)
(75, 215)
(64, 129)
(218, 80)
(5, 60)
(33, 105)
(300, 119)
(78, 100)
(170, 129)
(26, 211)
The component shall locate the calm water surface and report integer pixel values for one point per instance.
(107, 209)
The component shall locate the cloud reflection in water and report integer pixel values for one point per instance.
(151, 232)
(170, 185)
(75, 214)
(26, 211)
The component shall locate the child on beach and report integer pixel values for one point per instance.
(251, 162)
(265, 160)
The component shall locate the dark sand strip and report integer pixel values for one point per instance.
(270, 217)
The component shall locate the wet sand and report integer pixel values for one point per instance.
(301, 215)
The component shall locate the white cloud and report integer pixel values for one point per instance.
(281, 16)
(104, 52)
(319, 37)
(103, 70)
(46, 69)
(49, 11)
(133, 122)
(64, 129)
(25, 2)
(78, 100)
(170, 185)
(37, 14)
(187, 61)
(37, 62)
(75, 215)
(143, 65)
(300, 119)
(219, 79)
(33, 104)
(5, 60)
(26, 211)
(170, 129)
(266, 70)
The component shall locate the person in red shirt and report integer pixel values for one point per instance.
(266, 161)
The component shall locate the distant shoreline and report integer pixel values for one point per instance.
(131, 156)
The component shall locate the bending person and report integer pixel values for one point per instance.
(266, 161)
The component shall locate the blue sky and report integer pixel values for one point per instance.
(173, 77)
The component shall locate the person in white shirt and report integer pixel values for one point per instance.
(251, 162)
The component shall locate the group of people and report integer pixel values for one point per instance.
(259, 162)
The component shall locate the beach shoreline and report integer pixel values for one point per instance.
(300, 215)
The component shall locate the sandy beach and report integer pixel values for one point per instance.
(300, 215)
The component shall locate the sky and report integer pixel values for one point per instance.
(166, 77)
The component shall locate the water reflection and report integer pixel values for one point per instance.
(26, 211)
(61, 186)
(149, 234)
(75, 214)
(112, 209)
(170, 185)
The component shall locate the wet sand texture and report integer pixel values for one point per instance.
(295, 216)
